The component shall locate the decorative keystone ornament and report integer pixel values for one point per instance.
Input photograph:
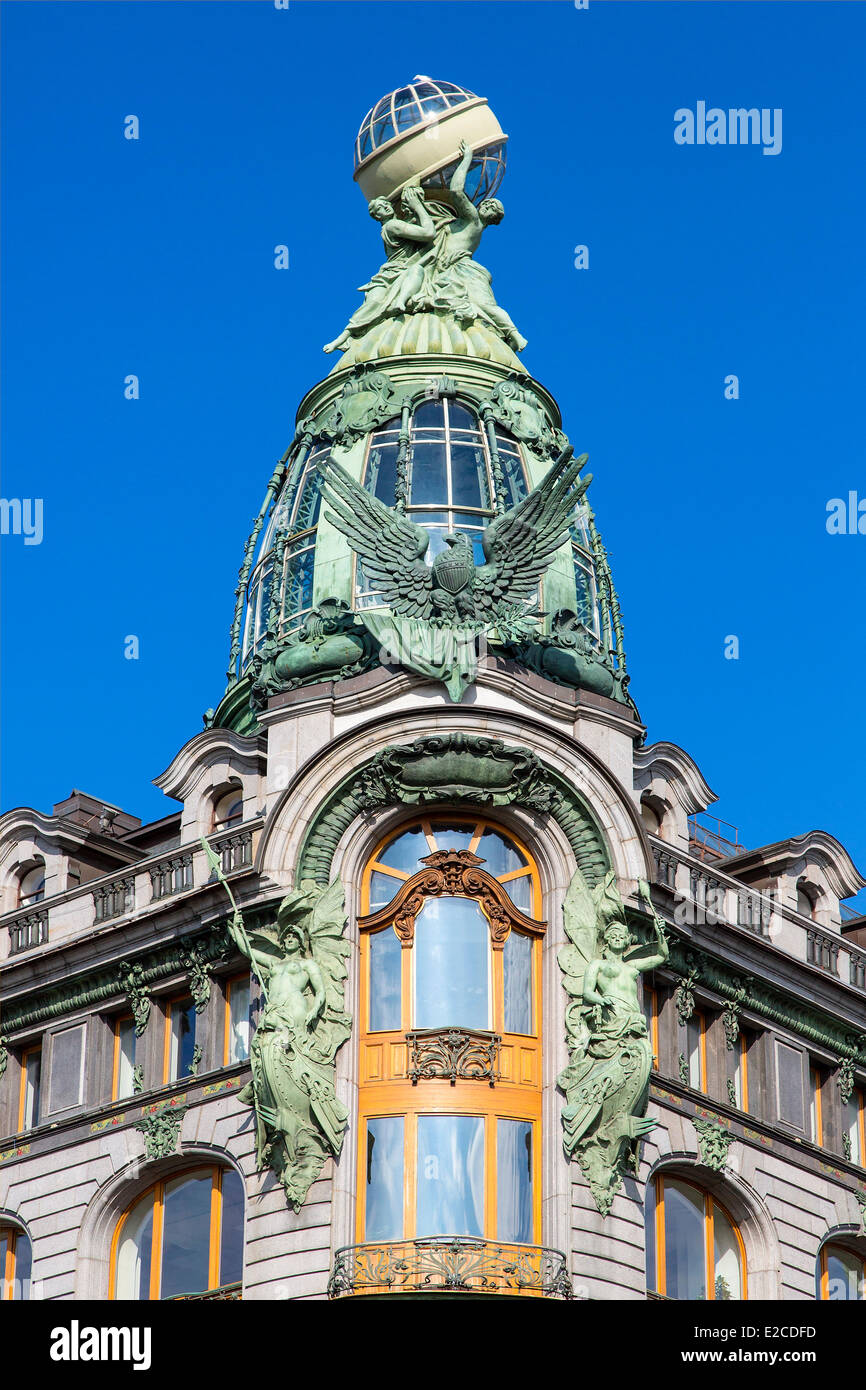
(714, 1140)
(606, 1083)
(368, 399)
(161, 1124)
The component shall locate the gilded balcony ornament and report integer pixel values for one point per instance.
(450, 1265)
(452, 1054)
(606, 1083)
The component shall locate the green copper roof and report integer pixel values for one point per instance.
(428, 333)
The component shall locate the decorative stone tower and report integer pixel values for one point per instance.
(389, 1005)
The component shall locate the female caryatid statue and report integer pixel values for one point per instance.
(409, 245)
(301, 964)
(607, 1080)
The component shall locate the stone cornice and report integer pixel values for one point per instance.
(179, 777)
(843, 876)
(680, 769)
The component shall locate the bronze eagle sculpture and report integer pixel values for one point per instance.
(518, 547)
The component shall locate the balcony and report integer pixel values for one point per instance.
(452, 1266)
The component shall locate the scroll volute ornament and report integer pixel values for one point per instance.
(453, 873)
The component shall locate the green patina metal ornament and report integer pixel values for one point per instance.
(732, 1094)
(437, 611)
(714, 1140)
(861, 1202)
(331, 644)
(606, 1083)
(137, 991)
(301, 962)
(684, 996)
(430, 268)
(161, 1129)
(570, 655)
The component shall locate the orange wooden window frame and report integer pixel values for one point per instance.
(115, 1065)
(710, 1205)
(157, 1227)
(702, 1051)
(402, 1100)
(651, 995)
(166, 1050)
(816, 1080)
(241, 979)
(825, 1272)
(743, 1058)
(7, 1271)
(32, 1051)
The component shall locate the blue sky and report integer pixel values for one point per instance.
(155, 257)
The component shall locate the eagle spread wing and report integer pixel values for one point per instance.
(520, 545)
(390, 547)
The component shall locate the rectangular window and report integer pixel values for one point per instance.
(238, 1020)
(696, 1051)
(789, 1094)
(816, 1119)
(450, 1175)
(123, 1069)
(514, 1215)
(384, 1179)
(651, 1014)
(31, 1079)
(66, 1069)
(741, 1072)
(853, 1127)
(179, 1038)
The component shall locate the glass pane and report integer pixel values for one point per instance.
(239, 1020)
(517, 972)
(133, 1252)
(23, 1263)
(32, 1084)
(500, 854)
(384, 1207)
(429, 415)
(381, 477)
(790, 1064)
(452, 943)
(450, 835)
(382, 889)
(232, 1237)
(519, 891)
(450, 1175)
(405, 851)
(693, 1044)
(186, 1236)
(125, 1057)
(468, 476)
(727, 1257)
(429, 482)
(844, 1275)
(652, 1281)
(514, 1181)
(459, 418)
(685, 1252)
(851, 1122)
(386, 954)
(182, 1040)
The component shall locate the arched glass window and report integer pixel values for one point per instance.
(295, 517)
(184, 1236)
(31, 888)
(840, 1274)
(693, 1248)
(450, 1113)
(15, 1263)
(229, 810)
(451, 477)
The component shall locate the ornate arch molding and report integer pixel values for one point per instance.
(449, 769)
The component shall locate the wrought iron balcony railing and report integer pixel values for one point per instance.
(450, 1265)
